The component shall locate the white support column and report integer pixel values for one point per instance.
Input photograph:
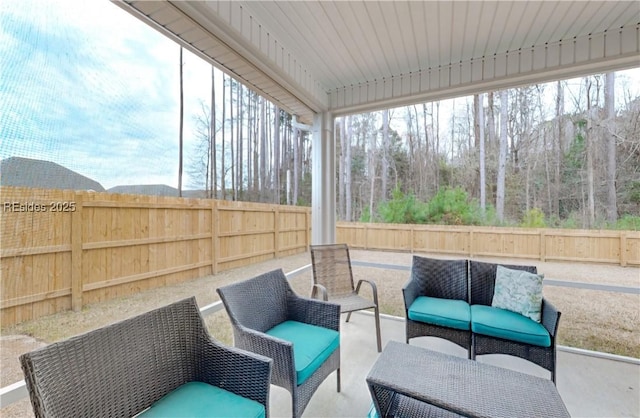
(323, 185)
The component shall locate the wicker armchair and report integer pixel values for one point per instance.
(333, 279)
(259, 306)
(442, 280)
(122, 369)
(483, 278)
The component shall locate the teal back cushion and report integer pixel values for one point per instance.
(199, 400)
(312, 345)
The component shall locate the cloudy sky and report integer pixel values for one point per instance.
(88, 86)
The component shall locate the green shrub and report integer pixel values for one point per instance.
(366, 215)
(533, 218)
(452, 206)
(402, 209)
(628, 223)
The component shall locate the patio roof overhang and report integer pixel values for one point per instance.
(322, 59)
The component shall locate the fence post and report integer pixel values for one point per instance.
(76, 254)
(215, 241)
(471, 239)
(623, 249)
(413, 230)
(543, 245)
(366, 236)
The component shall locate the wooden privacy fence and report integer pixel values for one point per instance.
(610, 247)
(63, 249)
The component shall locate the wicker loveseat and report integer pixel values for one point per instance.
(452, 299)
(158, 364)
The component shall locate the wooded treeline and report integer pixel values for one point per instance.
(248, 149)
(557, 154)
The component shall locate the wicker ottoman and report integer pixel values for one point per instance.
(415, 382)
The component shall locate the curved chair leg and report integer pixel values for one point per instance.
(348, 317)
(378, 338)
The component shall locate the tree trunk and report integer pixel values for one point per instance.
(591, 204)
(212, 138)
(234, 190)
(385, 152)
(502, 160)
(372, 173)
(276, 154)
(480, 145)
(223, 174)
(181, 126)
(492, 119)
(263, 150)
(295, 141)
(256, 147)
(609, 98)
(347, 190)
(239, 147)
(558, 148)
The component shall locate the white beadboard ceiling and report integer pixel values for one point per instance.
(353, 56)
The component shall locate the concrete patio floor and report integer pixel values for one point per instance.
(590, 386)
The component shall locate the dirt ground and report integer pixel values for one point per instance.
(595, 320)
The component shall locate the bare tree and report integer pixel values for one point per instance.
(296, 163)
(181, 126)
(276, 154)
(263, 149)
(481, 149)
(239, 139)
(212, 137)
(609, 131)
(385, 151)
(372, 172)
(223, 173)
(233, 168)
(502, 159)
(558, 148)
(347, 169)
(591, 204)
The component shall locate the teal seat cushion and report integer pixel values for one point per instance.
(312, 345)
(198, 399)
(444, 312)
(501, 323)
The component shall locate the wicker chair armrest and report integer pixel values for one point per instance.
(410, 292)
(323, 292)
(281, 351)
(374, 289)
(314, 312)
(242, 372)
(550, 317)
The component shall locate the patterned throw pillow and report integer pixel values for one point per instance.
(518, 291)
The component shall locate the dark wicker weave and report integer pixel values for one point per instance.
(483, 278)
(121, 369)
(333, 278)
(408, 381)
(257, 305)
(445, 279)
